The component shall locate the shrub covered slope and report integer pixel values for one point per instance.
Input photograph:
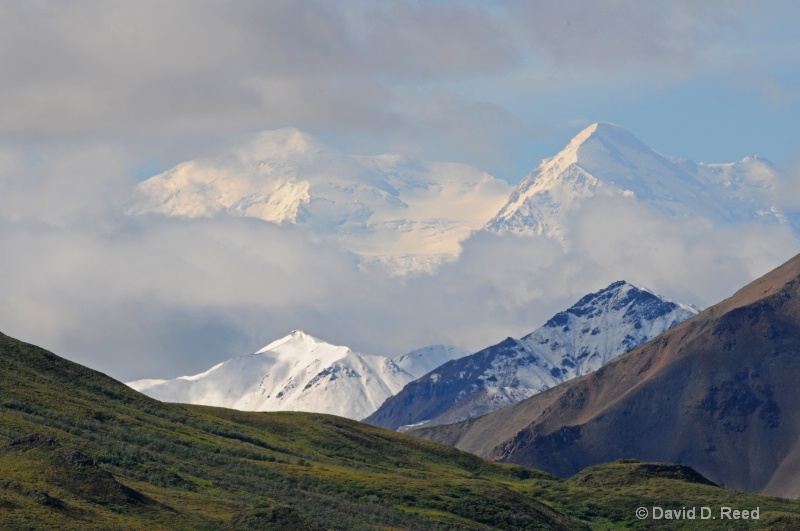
(79, 450)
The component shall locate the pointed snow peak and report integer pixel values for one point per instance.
(298, 372)
(606, 132)
(609, 130)
(296, 337)
(581, 137)
(604, 142)
(602, 150)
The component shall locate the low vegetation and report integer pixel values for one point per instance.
(79, 450)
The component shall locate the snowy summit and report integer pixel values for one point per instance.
(298, 372)
(394, 211)
(607, 160)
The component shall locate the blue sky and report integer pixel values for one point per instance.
(98, 95)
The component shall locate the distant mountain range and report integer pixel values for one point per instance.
(301, 373)
(406, 215)
(393, 211)
(437, 383)
(717, 393)
(581, 339)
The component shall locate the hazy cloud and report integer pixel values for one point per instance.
(155, 72)
(92, 88)
(105, 66)
(160, 297)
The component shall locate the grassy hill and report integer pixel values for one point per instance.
(79, 450)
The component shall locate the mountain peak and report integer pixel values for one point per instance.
(605, 132)
(620, 302)
(601, 143)
(295, 337)
(606, 160)
(598, 328)
(395, 213)
(719, 387)
(298, 372)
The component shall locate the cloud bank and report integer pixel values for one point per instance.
(149, 296)
(446, 79)
(94, 91)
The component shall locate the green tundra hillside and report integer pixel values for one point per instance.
(79, 450)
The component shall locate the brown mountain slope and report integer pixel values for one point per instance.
(718, 393)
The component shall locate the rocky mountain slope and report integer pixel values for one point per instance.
(717, 393)
(581, 339)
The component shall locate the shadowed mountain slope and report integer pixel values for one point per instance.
(717, 393)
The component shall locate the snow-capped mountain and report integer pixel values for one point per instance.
(391, 210)
(607, 160)
(598, 328)
(300, 373)
(405, 215)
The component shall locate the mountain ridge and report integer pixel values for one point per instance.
(79, 450)
(406, 216)
(597, 328)
(704, 394)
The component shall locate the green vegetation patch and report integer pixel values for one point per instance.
(79, 450)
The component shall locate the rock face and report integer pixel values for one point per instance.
(717, 393)
(596, 329)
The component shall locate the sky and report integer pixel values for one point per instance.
(98, 95)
